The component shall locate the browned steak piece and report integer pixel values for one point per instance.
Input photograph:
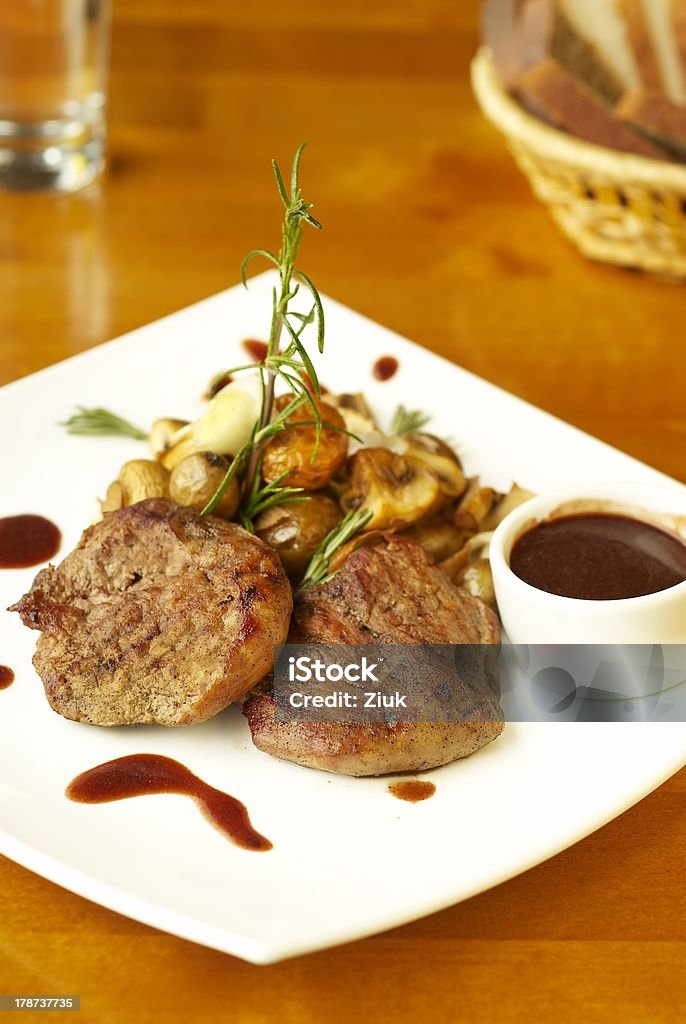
(158, 615)
(392, 593)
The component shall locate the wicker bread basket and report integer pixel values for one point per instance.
(615, 207)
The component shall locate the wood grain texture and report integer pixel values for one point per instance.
(429, 229)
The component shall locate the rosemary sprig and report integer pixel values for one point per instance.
(318, 569)
(269, 496)
(257, 440)
(101, 421)
(405, 422)
(292, 364)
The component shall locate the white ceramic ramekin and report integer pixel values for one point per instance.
(531, 616)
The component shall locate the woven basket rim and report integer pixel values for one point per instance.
(552, 144)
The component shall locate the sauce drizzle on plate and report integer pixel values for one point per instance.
(385, 367)
(412, 790)
(6, 677)
(257, 350)
(144, 774)
(27, 540)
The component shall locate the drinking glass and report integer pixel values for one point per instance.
(53, 69)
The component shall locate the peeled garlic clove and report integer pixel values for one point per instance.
(228, 421)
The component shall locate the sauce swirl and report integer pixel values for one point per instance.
(599, 557)
(385, 367)
(412, 790)
(257, 350)
(27, 540)
(143, 774)
(6, 677)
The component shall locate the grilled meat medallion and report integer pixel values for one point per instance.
(393, 593)
(158, 616)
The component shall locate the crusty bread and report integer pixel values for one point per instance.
(642, 45)
(679, 24)
(548, 30)
(500, 30)
(657, 117)
(601, 24)
(658, 16)
(612, 72)
(589, 38)
(556, 96)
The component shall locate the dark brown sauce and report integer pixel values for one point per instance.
(26, 541)
(217, 384)
(6, 677)
(143, 774)
(385, 367)
(412, 790)
(599, 557)
(257, 350)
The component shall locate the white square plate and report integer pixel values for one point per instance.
(348, 858)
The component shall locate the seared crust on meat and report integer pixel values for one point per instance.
(375, 749)
(158, 616)
(392, 593)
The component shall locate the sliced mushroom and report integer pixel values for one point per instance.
(515, 497)
(440, 457)
(438, 536)
(138, 479)
(477, 580)
(475, 506)
(164, 434)
(397, 490)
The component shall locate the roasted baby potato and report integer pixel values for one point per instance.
(196, 478)
(289, 454)
(439, 457)
(296, 530)
(398, 490)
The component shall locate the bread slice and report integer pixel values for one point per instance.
(679, 24)
(642, 45)
(547, 30)
(602, 25)
(657, 30)
(499, 30)
(657, 117)
(556, 96)
(587, 37)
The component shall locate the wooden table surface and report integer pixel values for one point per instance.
(430, 229)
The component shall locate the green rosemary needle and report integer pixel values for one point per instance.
(318, 569)
(406, 422)
(101, 421)
(292, 364)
